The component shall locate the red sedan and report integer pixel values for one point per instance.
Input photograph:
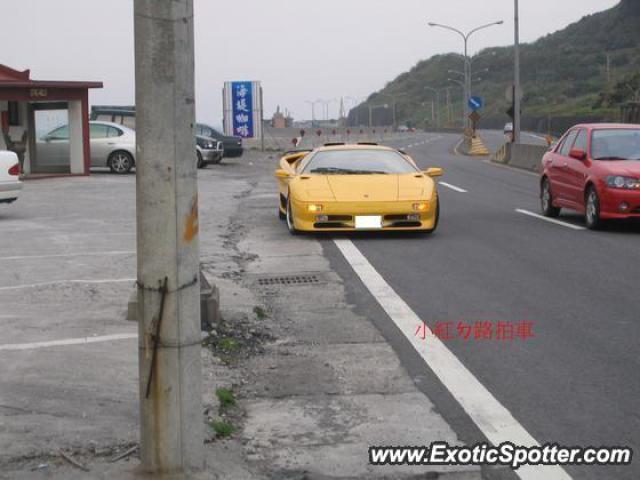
(594, 169)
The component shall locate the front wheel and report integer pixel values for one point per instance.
(546, 200)
(592, 211)
(120, 162)
(290, 222)
(199, 160)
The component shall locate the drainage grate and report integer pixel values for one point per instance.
(300, 279)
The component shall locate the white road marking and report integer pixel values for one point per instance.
(58, 282)
(68, 341)
(63, 255)
(550, 220)
(493, 419)
(455, 149)
(452, 187)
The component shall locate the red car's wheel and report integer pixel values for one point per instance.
(546, 200)
(592, 211)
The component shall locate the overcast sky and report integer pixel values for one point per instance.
(300, 49)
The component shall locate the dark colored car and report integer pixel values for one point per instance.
(232, 145)
(594, 169)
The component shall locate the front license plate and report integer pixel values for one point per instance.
(369, 222)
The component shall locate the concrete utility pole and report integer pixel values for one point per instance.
(516, 81)
(171, 418)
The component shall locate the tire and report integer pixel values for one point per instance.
(435, 225)
(592, 210)
(199, 160)
(120, 162)
(289, 219)
(281, 214)
(546, 200)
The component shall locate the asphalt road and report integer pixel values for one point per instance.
(576, 382)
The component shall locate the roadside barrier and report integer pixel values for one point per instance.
(523, 156)
(474, 146)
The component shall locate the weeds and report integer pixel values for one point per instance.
(223, 429)
(226, 397)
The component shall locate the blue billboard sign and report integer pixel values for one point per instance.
(242, 109)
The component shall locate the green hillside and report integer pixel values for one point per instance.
(564, 74)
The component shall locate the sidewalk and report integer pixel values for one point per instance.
(314, 382)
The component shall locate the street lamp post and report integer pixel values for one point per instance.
(313, 112)
(437, 92)
(464, 100)
(395, 101)
(356, 102)
(467, 61)
(326, 103)
(516, 80)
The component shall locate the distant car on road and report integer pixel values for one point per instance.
(10, 184)
(508, 128)
(356, 187)
(208, 151)
(112, 145)
(232, 145)
(594, 169)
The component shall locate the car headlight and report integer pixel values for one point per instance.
(314, 208)
(421, 207)
(626, 183)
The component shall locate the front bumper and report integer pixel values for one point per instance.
(611, 200)
(210, 156)
(341, 216)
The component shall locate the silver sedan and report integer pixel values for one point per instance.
(111, 145)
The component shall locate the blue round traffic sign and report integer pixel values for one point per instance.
(476, 103)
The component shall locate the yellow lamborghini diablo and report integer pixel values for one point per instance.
(356, 187)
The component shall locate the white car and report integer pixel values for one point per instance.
(111, 145)
(10, 184)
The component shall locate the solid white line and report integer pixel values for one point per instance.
(58, 282)
(68, 341)
(493, 419)
(550, 220)
(62, 255)
(452, 187)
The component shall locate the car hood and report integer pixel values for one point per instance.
(365, 188)
(628, 168)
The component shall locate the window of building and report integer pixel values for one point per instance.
(14, 114)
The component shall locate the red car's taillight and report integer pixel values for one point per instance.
(15, 170)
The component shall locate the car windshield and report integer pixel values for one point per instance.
(358, 162)
(616, 144)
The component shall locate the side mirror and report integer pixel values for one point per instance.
(434, 172)
(578, 154)
(280, 173)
